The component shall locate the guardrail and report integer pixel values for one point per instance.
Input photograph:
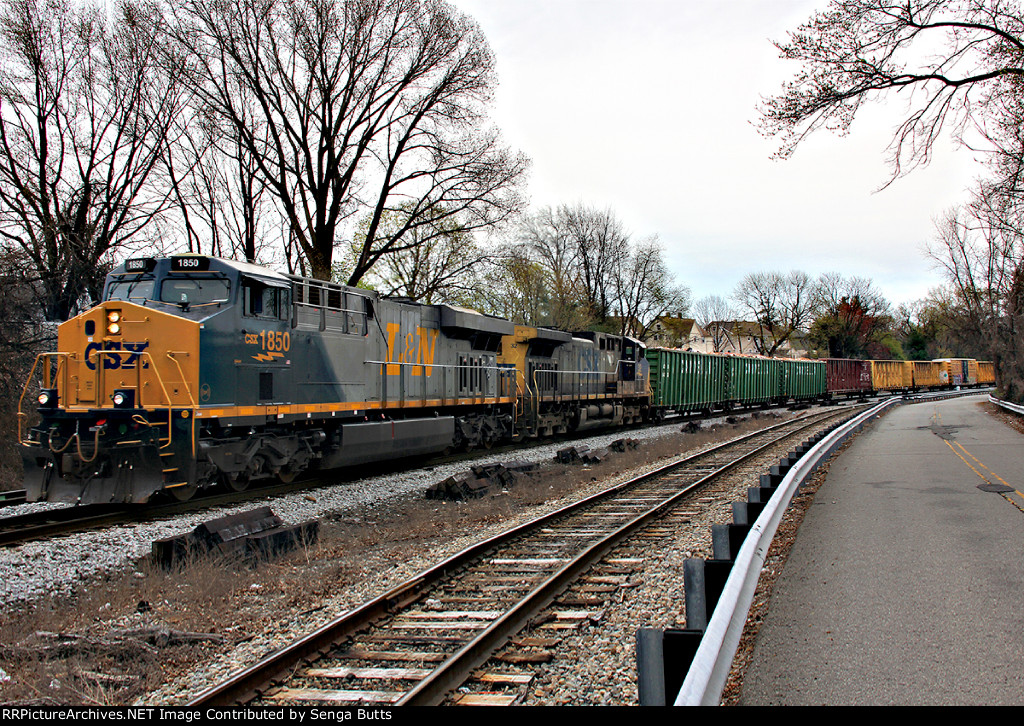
(1015, 408)
(709, 669)
(941, 395)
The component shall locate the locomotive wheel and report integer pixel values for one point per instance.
(237, 483)
(286, 476)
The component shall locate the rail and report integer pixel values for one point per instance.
(639, 387)
(504, 387)
(48, 377)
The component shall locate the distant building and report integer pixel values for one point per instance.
(675, 331)
(741, 337)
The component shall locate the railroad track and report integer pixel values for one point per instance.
(12, 498)
(418, 642)
(57, 521)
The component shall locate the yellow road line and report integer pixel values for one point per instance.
(971, 467)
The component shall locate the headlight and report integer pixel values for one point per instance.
(114, 322)
(123, 398)
(47, 398)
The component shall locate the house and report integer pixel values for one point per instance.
(675, 331)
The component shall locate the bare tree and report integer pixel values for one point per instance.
(224, 209)
(352, 107)
(956, 56)
(714, 309)
(645, 289)
(85, 106)
(592, 268)
(781, 305)
(444, 267)
(937, 326)
(982, 251)
(600, 245)
(544, 239)
(514, 287)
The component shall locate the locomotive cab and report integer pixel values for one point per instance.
(123, 391)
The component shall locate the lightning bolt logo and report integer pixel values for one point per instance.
(263, 357)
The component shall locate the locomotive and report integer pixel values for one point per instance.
(196, 371)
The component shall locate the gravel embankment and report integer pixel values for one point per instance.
(44, 568)
(257, 624)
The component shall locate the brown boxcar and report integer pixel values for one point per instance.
(846, 377)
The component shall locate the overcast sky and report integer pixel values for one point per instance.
(648, 107)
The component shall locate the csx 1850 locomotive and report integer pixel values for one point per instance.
(196, 371)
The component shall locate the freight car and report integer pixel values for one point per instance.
(986, 373)
(927, 375)
(195, 371)
(887, 375)
(686, 381)
(864, 377)
(961, 371)
(848, 377)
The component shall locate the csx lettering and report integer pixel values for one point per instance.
(116, 360)
(270, 340)
(418, 348)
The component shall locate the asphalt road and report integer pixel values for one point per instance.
(904, 585)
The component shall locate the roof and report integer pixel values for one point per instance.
(683, 327)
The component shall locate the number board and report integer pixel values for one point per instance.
(190, 264)
(139, 264)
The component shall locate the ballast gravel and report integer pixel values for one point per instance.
(38, 570)
(53, 567)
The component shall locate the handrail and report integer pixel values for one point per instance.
(47, 382)
(504, 372)
(97, 356)
(172, 354)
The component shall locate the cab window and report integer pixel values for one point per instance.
(264, 301)
(194, 291)
(130, 290)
